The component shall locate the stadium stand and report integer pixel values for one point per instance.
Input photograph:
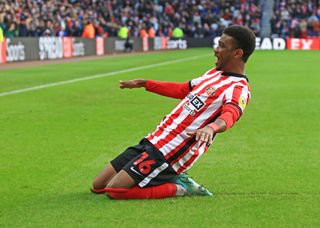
(296, 19)
(197, 18)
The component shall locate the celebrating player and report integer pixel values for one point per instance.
(210, 104)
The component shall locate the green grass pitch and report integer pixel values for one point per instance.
(265, 172)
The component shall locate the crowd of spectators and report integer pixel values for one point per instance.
(89, 18)
(296, 19)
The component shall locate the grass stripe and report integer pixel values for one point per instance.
(98, 76)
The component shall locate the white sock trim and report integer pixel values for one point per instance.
(181, 191)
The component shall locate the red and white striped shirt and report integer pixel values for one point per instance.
(200, 107)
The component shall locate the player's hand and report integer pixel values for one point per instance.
(136, 83)
(203, 135)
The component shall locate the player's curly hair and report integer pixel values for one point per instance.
(244, 38)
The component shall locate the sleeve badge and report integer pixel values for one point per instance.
(242, 103)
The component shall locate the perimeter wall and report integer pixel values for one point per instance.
(49, 48)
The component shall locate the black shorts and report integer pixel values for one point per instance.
(145, 164)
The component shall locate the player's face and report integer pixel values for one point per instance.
(224, 51)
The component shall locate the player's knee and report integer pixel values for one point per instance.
(121, 180)
(119, 183)
(112, 184)
(98, 185)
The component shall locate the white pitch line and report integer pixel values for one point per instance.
(97, 76)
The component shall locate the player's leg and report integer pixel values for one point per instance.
(192, 187)
(152, 192)
(141, 179)
(115, 166)
(103, 178)
(116, 178)
(121, 180)
(149, 176)
(122, 186)
(184, 186)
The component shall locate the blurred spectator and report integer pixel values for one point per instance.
(123, 32)
(177, 33)
(128, 45)
(48, 29)
(89, 30)
(12, 31)
(151, 33)
(143, 32)
(23, 30)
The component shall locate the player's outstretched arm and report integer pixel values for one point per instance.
(131, 84)
(168, 89)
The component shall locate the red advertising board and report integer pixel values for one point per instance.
(100, 46)
(303, 44)
(3, 52)
(145, 44)
(67, 47)
(164, 42)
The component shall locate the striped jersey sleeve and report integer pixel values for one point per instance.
(238, 95)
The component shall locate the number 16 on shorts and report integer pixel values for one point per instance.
(148, 168)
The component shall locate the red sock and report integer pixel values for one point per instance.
(98, 191)
(153, 192)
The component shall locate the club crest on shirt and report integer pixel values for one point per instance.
(210, 91)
